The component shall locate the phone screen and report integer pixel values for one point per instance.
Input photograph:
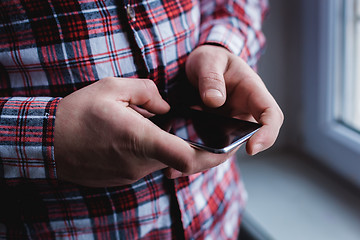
(207, 131)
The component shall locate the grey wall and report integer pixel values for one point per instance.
(280, 67)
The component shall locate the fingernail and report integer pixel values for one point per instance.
(214, 93)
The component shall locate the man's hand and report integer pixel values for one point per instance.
(102, 138)
(225, 80)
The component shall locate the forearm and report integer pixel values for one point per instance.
(26, 139)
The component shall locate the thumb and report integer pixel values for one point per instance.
(212, 87)
(205, 68)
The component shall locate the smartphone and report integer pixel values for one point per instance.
(206, 131)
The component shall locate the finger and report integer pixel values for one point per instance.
(205, 70)
(178, 154)
(271, 119)
(212, 87)
(142, 111)
(144, 92)
(267, 112)
(250, 96)
(172, 173)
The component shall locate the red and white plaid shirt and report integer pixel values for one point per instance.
(50, 48)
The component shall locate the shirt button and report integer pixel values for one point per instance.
(130, 12)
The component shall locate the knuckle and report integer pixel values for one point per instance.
(149, 88)
(132, 175)
(109, 83)
(107, 80)
(98, 111)
(149, 85)
(187, 166)
(212, 78)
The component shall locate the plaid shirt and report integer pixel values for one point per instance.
(50, 48)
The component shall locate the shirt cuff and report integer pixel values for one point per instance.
(249, 48)
(27, 139)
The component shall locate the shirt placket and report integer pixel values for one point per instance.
(140, 60)
(128, 17)
(141, 26)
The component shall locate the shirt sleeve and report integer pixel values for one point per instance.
(27, 139)
(236, 25)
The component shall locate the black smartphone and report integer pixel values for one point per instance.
(207, 131)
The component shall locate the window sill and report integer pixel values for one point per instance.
(292, 197)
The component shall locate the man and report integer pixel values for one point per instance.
(80, 159)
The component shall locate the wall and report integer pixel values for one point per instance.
(280, 67)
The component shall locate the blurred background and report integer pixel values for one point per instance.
(307, 185)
